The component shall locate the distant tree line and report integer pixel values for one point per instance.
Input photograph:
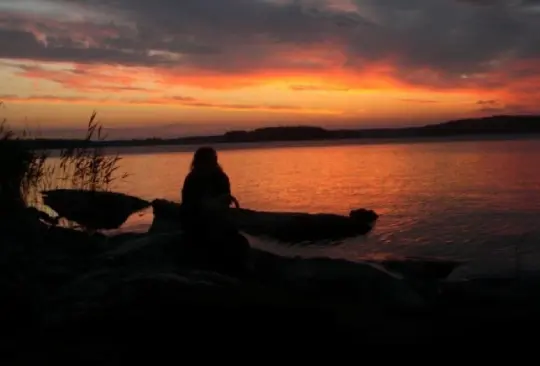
(495, 125)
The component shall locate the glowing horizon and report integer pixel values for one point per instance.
(208, 65)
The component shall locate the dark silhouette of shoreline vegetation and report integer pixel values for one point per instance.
(26, 171)
(494, 126)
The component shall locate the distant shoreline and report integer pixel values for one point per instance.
(156, 149)
(495, 127)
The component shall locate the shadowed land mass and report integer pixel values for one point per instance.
(495, 125)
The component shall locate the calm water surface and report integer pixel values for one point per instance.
(473, 200)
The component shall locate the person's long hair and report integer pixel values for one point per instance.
(205, 159)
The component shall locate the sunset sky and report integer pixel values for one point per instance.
(183, 67)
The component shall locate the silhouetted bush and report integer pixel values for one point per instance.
(14, 160)
(26, 172)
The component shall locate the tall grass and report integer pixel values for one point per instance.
(27, 172)
(37, 171)
(89, 167)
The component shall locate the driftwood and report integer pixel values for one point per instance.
(291, 227)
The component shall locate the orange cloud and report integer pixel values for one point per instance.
(88, 78)
(149, 83)
(177, 101)
(328, 76)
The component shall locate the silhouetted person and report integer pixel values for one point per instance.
(206, 198)
(207, 186)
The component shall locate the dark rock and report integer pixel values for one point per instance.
(152, 251)
(94, 209)
(194, 303)
(18, 309)
(121, 238)
(422, 268)
(226, 253)
(368, 284)
(42, 216)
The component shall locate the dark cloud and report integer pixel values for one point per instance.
(491, 102)
(491, 106)
(437, 43)
(454, 38)
(24, 45)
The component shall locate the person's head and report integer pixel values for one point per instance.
(205, 158)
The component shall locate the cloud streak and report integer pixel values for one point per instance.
(178, 101)
(421, 101)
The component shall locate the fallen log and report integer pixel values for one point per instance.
(288, 227)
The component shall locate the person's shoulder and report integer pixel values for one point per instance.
(189, 176)
(223, 174)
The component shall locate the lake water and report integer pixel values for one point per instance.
(471, 200)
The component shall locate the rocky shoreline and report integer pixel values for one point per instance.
(84, 297)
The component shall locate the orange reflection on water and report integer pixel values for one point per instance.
(405, 183)
(310, 178)
(451, 199)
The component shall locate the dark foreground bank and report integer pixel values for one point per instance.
(71, 297)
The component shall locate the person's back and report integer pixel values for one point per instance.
(206, 184)
(202, 188)
(206, 197)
